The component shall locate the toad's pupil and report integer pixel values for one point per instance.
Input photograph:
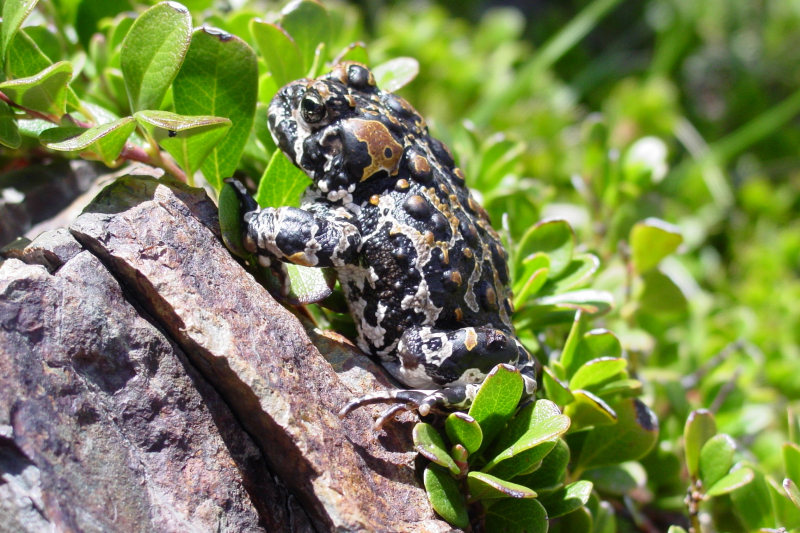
(312, 108)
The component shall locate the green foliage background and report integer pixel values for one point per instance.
(605, 113)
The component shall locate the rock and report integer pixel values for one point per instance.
(161, 240)
(104, 424)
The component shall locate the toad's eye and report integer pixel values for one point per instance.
(311, 108)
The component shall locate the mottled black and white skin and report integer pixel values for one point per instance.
(423, 272)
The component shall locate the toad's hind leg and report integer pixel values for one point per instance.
(447, 367)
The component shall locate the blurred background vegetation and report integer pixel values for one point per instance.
(606, 113)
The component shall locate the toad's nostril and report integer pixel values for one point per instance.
(497, 341)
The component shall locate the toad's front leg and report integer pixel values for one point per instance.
(326, 237)
(446, 369)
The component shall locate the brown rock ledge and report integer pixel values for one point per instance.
(161, 241)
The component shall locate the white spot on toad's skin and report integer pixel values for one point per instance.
(374, 333)
(416, 377)
(421, 303)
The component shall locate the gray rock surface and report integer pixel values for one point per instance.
(148, 383)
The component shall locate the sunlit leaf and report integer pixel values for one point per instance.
(700, 427)
(651, 241)
(731, 482)
(430, 445)
(595, 344)
(577, 274)
(496, 401)
(282, 183)
(14, 14)
(587, 410)
(552, 471)
(45, 92)
(278, 50)
(153, 52)
(219, 78)
(596, 372)
(485, 486)
(716, 459)
(792, 490)
(463, 429)
(309, 24)
(553, 237)
(556, 389)
(106, 140)
(395, 73)
(568, 499)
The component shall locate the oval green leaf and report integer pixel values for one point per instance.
(396, 73)
(189, 139)
(282, 183)
(553, 237)
(106, 140)
(651, 241)
(219, 78)
(700, 427)
(528, 266)
(555, 389)
(496, 401)
(550, 475)
(9, 130)
(716, 459)
(230, 220)
(660, 294)
(791, 460)
(278, 50)
(567, 499)
(152, 53)
(308, 285)
(484, 486)
(45, 91)
(463, 429)
(516, 516)
(430, 445)
(577, 274)
(445, 496)
(544, 433)
(595, 344)
(309, 24)
(596, 372)
(14, 14)
(589, 411)
(734, 480)
(634, 434)
(792, 491)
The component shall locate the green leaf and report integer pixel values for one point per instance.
(634, 434)
(716, 459)
(731, 482)
(463, 429)
(188, 139)
(786, 513)
(261, 127)
(553, 237)
(485, 486)
(496, 401)
(626, 387)
(541, 437)
(562, 307)
(24, 59)
(531, 287)
(60, 134)
(550, 475)
(660, 294)
(529, 268)
(48, 43)
(577, 274)
(596, 344)
(353, 52)
(105, 140)
(699, 428)
(278, 50)
(516, 516)
(309, 24)
(282, 183)
(230, 220)
(555, 389)
(14, 14)
(430, 445)
(651, 241)
(396, 73)
(676, 529)
(791, 460)
(529, 417)
(567, 358)
(45, 92)
(90, 12)
(308, 285)
(589, 411)
(567, 499)
(9, 130)
(152, 53)
(617, 480)
(596, 372)
(445, 496)
(791, 489)
(752, 502)
(219, 78)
